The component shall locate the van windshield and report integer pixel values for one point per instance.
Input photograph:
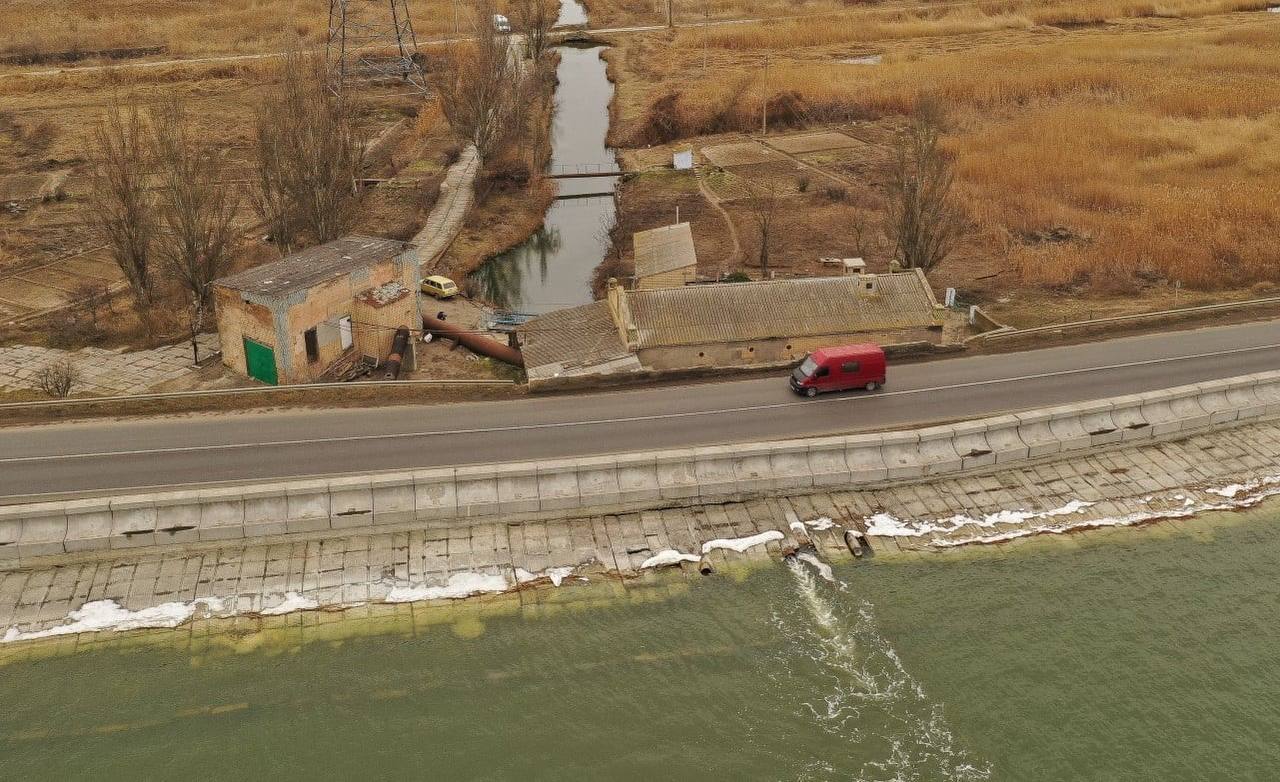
(808, 367)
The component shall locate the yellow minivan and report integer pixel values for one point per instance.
(439, 287)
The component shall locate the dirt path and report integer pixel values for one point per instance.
(735, 255)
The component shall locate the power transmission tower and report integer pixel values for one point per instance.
(372, 40)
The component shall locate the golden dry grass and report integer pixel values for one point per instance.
(1159, 154)
(952, 19)
(191, 27)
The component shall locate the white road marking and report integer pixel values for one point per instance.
(631, 419)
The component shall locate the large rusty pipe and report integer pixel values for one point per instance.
(398, 345)
(473, 342)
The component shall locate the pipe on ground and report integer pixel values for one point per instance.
(473, 342)
(398, 345)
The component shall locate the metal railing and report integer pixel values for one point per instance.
(1137, 316)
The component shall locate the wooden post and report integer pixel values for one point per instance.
(764, 102)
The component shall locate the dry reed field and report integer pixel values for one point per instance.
(1099, 147)
(187, 28)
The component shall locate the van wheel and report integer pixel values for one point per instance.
(811, 392)
(872, 386)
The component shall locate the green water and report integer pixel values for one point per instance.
(1131, 655)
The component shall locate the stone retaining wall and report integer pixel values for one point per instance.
(628, 482)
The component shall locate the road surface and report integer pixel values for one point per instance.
(65, 458)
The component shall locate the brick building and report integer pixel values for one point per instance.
(305, 317)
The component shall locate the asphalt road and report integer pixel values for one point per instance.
(63, 458)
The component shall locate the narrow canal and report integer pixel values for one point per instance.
(1148, 654)
(553, 268)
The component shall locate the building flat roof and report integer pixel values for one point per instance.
(664, 249)
(307, 268)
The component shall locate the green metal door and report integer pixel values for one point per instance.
(260, 362)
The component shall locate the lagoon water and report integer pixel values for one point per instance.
(553, 268)
(1135, 655)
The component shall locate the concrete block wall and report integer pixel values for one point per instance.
(632, 481)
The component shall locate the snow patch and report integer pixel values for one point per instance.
(1238, 496)
(668, 557)
(886, 525)
(292, 602)
(109, 615)
(821, 523)
(556, 574)
(1234, 489)
(458, 586)
(741, 544)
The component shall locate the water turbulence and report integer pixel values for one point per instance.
(888, 724)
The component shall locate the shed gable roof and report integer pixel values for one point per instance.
(664, 249)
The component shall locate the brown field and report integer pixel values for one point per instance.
(1101, 149)
(187, 28)
(45, 125)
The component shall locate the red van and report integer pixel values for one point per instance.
(839, 369)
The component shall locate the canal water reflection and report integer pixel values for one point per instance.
(553, 268)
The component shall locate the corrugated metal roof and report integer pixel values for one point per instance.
(740, 312)
(307, 268)
(664, 249)
(577, 336)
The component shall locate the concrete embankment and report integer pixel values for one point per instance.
(623, 483)
(380, 573)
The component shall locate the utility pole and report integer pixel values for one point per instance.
(706, 14)
(764, 102)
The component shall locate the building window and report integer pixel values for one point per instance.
(313, 345)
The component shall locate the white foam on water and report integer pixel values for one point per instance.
(821, 523)
(823, 568)
(741, 544)
(668, 557)
(872, 693)
(100, 615)
(292, 602)
(458, 586)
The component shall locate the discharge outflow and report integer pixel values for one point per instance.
(872, 699)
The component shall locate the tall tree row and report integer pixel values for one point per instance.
(163, 205)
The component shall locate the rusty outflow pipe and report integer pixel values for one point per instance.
(473, 342)
(398, 344)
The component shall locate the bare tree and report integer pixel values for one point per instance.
(309, 156)
(58, 378)
(90, 297)
(122, 214)
(924, 223)
(478, 84)
(196, 209)
(762, 208)
(535, 19)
